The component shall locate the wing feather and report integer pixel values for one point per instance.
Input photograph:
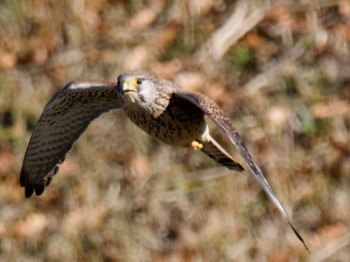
(211, 109)
(63, 120)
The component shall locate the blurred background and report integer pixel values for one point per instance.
(280, 69)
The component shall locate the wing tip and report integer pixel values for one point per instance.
(299, 237)
(29, 187)
(28, 191)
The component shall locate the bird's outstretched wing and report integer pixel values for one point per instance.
(211, 109)
(63, 120)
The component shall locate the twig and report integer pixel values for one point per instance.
(235, 27)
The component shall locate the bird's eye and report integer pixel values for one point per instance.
(137, 81)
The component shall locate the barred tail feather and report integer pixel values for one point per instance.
(220, 155)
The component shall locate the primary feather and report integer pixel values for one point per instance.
(63, 120)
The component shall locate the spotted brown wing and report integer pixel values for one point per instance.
(63, 120)
(211, 109)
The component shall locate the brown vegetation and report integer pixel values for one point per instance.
(280, 69)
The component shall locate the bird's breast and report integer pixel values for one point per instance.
(175, 126)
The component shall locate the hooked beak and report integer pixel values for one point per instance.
(127, 90)
(127, 87)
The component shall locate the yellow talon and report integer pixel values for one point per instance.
(196, 145)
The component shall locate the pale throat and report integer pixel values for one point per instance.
(130, 98)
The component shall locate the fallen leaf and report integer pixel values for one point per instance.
(8, 60)
(33, 225)
(142, 19)
(330, 109)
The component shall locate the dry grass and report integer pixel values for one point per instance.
(283, 75)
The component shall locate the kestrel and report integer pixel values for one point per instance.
(159, 107)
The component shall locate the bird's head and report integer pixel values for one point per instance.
(137, 87)
(143, 89)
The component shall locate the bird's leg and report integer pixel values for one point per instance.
(196, 145)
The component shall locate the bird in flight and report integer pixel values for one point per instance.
(159, 107)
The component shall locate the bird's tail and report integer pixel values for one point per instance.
(220, 155)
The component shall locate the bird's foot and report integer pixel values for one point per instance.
(196, 145)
